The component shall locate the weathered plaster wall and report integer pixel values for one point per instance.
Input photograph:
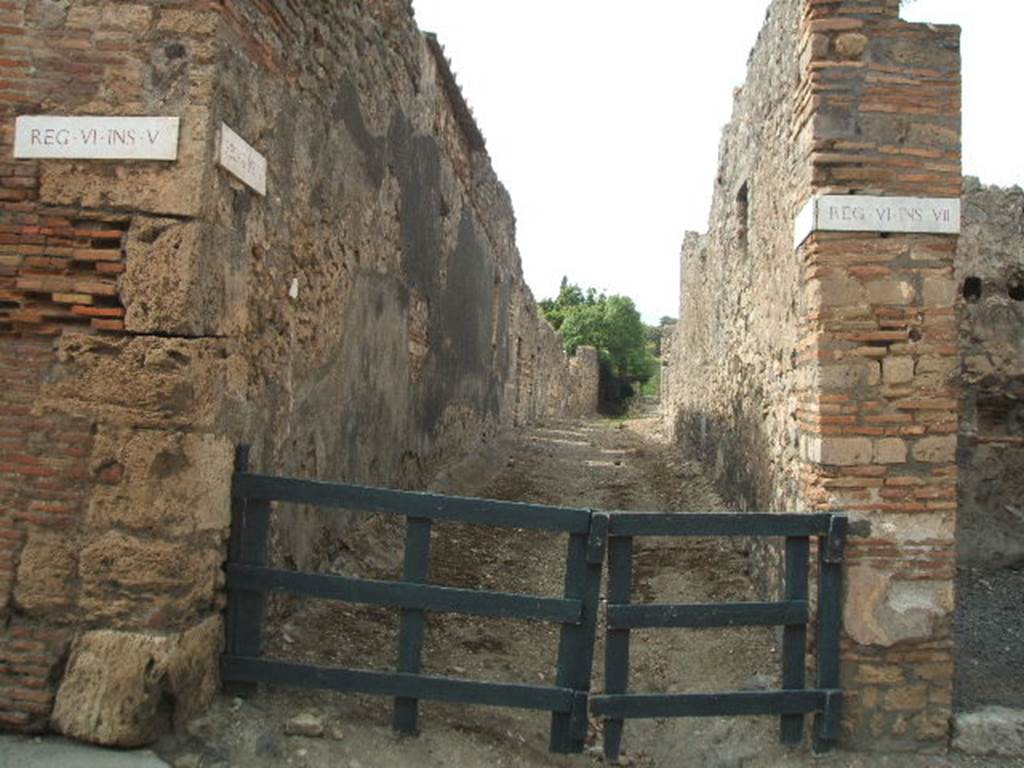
(990, 310)
(824, 377)
(366, 320)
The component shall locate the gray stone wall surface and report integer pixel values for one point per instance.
(990, 309)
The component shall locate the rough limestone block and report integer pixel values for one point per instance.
(890, 450)
(936, 449)
(845, 451)
(864, 373)
(46, 571)
(145, 382)
(851, 45)
(118, 684)
(838, 290)
(939, 292)
(172, 481)
(878, 610)
(937, 371)
(898, 370)
(896, 292)
(990, 731)
(137, 579)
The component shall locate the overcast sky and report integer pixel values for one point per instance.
(602, 118)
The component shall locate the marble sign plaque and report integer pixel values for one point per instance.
(241, 160)
(863, 213)
(96, 138)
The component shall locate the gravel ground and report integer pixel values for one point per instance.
(990, 638)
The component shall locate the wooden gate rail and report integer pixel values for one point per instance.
(791, 703)
(249, 579)
(590, 535)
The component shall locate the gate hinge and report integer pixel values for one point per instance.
(836, 541)
(828, 723)
(597, 540)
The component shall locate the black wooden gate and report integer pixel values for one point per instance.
(794, 700)
(248, 580)
(569, 700)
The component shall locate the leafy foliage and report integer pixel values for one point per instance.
(610, 323)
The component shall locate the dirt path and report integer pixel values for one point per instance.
(595, 463)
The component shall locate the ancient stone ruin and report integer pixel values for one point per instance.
(830, 363)
(365, 319)
(322, 264)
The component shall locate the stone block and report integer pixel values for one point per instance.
(835, 290)
(871, 674)
(135, 17)
(936, 449)
(898, 292)
(939, 292)
(890, 450)
(863, 373)
(115, 558)
(881, 611)
(851, 45)
(46, 571)
(159, 583)
(995, 731)
(844, 451)
(83, 17)
(898, 370)
(937, 371)
(117, 684)
(907, 697)
(144, 381)
(305, 724)
(174, 482)
(187, 21)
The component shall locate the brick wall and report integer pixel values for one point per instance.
(42, 481)
(824, 377)
(879, 419)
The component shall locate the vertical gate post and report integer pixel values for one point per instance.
(830, 558)
(413, 622)
(576, 644)
(794, 636)
(616, 653)
(250, 523)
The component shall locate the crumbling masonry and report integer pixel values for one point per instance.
(366, 320)
(822, 375)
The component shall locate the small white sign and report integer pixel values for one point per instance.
(96, 137)
(863, 213)
(242, 161)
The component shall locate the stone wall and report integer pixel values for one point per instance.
(366, 320)
(823, 376)
(990, 276)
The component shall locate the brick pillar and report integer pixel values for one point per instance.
(880, 399)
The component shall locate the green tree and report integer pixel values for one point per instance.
(609, 323)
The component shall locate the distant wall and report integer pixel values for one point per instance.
(990, 310)
(366, 320)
